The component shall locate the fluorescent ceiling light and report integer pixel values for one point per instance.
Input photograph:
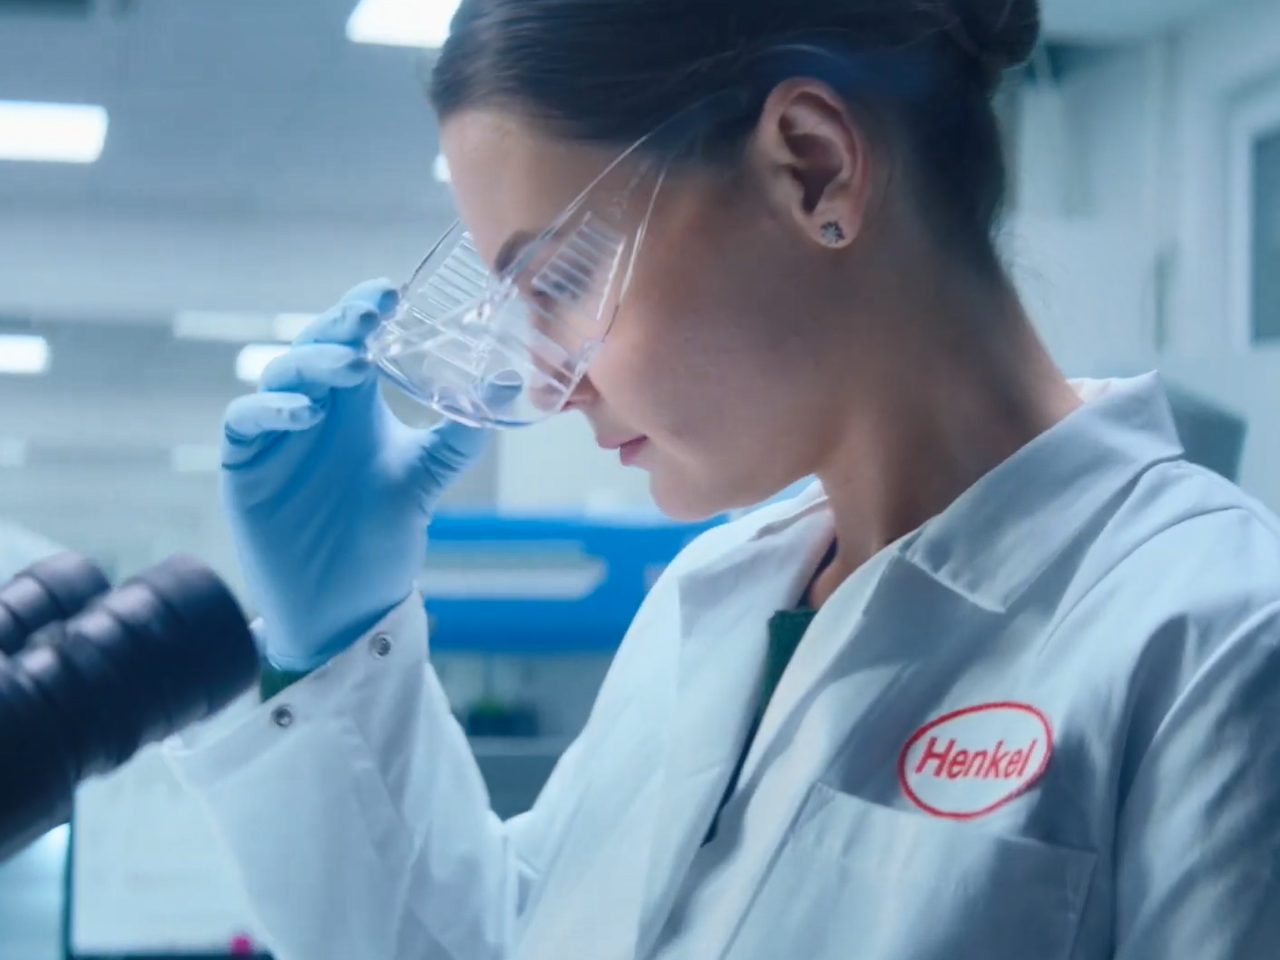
(231, 327)
(51, 132)
(440, 169)
(23, 354)
(254, 358)
(401, 23)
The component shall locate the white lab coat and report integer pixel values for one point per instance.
(1046, 725)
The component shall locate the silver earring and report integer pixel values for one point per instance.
(832, 233)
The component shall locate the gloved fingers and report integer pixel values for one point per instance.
(315, 369)
(451, 447)
(254, 420)
(255, 414)
(354, 317)
(446, 451)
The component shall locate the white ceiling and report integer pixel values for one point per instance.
(252, 106)
(261, 107)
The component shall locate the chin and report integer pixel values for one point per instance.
(690, 495)
(687, 502)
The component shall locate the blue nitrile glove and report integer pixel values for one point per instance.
(328, 495)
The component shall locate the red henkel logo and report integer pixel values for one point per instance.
(975, 760)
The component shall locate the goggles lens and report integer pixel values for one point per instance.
(508, 350)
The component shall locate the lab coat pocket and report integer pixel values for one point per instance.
(856, 879)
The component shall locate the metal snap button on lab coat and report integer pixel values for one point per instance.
(282, 716)
(381, 645)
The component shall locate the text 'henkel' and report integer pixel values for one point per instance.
(969, 762)
(998, 762)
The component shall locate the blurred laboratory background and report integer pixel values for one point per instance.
(184, 183)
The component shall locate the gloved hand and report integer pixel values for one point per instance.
(328, 495)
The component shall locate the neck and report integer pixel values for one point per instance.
(964, 397)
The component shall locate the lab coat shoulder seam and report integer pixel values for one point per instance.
(1234, 498)
(1104, 576)
(1065, 615)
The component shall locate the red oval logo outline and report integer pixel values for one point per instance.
(1013, 794)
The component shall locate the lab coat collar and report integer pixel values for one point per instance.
(1001, 534)
(781, 517)
(998, 536)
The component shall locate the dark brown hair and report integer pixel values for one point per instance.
(611, 71)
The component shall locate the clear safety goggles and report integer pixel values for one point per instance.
(508, 350)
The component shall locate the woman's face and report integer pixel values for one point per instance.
(708, 377)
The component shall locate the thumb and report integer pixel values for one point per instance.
(451, 447)
(445, 452)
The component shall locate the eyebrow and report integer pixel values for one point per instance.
(508, 252)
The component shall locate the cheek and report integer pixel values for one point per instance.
(636, 369)
(676, 368)
(688, 344)
(716, 406)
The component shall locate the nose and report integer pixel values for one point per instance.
(549, 397)
(581, 396)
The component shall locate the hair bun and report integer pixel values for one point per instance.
(1000, 34)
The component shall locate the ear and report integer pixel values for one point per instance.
(817, 161)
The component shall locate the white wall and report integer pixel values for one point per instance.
(1087, 284)
(1147, 127)
(1220, 59)
(1217, 61)
(1090, 205)
(1121, 242)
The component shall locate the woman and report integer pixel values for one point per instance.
(1002, 685)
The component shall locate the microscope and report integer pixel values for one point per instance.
(89, 675)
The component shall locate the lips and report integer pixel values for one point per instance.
(627, 449)
(628, 452)
(606, 444)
